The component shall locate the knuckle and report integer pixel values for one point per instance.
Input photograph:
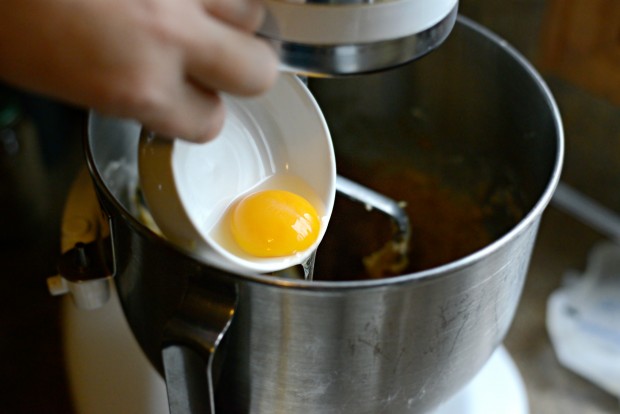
(143, 95)
(161, 22)
(249, 74)
(247, 15)
(212, 124)
(255, 15)
(127, 95)
(263, 75)
(192, 124)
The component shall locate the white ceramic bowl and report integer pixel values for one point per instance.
(278, 140)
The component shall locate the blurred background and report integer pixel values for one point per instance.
(575, 44)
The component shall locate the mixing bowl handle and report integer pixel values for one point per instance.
(86, 267)
(192, 337)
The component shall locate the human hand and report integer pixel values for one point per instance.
(161, 62)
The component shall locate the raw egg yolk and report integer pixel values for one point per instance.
(274, 223)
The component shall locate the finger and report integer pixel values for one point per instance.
(222, 58)
(192, 113)
(246, 15)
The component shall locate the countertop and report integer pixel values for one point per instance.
(34, 377)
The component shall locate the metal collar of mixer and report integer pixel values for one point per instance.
(328, 57)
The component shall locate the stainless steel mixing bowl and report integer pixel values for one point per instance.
(473, 111)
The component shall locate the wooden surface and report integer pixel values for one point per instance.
(581, 44)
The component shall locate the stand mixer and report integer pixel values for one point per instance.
(250, 343)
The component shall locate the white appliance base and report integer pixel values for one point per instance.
(108, 372)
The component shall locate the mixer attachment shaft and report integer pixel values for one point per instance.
(392, 257)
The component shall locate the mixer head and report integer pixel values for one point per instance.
(345, 37)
